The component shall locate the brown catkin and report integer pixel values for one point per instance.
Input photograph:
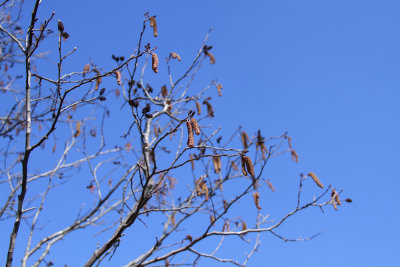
(249, 166)
(190, 141)
(192, 161)
(295, 157)
(316, 179)
(77, 129)
(153, 23)
(176, 56)
(154, 62)
(256, 198)
(219, 87)
(244, 166)
(336, 196)
(164, 91)
(198, 106)
(270, 186)
(195, 126)
(245, 140)
(217, 164)
(244, 226)
(86, 69)
(118, 74)
(212, 58)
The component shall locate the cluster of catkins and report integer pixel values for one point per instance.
(191, 125)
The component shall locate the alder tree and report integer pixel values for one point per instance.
(170, 175)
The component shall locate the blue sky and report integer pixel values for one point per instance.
(326, 71)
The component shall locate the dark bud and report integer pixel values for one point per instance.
(349, 200)
(102, 98)
(133, 103)
(149, 88)
(219, 139)
(146, 109)
(149, 116)
(102, 91)
(53, 115)
(65, 35)
(60, 27)
(131, 83)
(122, 58)
(114, 57)
(139, 85)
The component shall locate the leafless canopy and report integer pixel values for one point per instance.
(170, 164)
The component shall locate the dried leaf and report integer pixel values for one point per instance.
(54, 148)
(316, 179)
(117, 93)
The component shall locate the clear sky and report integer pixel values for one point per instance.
(328, 72)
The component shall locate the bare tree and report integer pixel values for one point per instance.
(57, 123)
